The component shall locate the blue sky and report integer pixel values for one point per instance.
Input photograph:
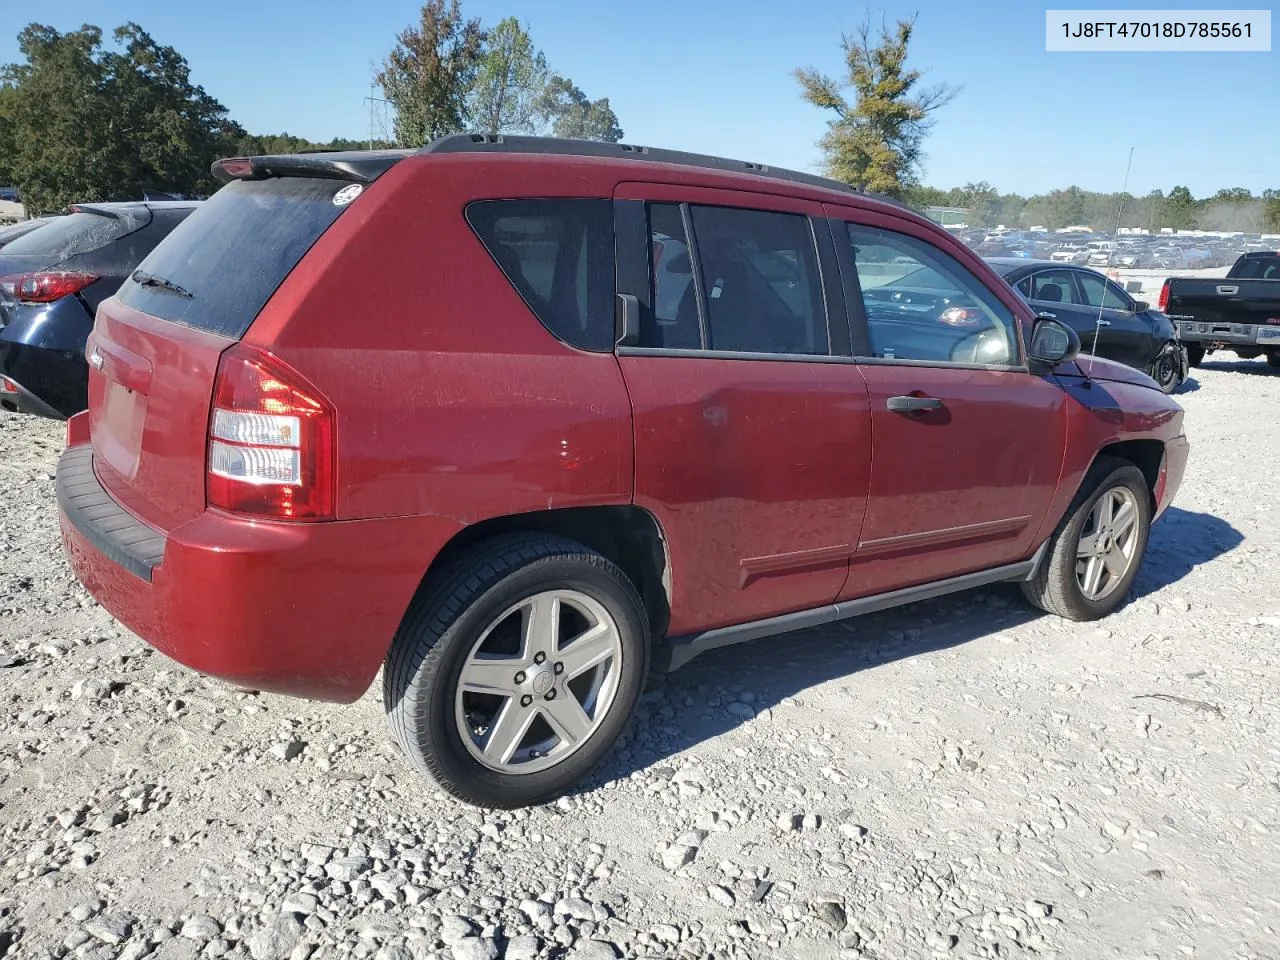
(714, 76)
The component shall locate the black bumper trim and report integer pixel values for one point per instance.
(108, 526)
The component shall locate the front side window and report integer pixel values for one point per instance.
(1100, 293)
(920, 303)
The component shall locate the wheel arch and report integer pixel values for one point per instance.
(629, 536)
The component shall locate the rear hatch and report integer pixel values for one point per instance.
(156, 345)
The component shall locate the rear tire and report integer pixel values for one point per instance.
(1092, 560)
(1195, 356)
(488, 680)
(1273, 358)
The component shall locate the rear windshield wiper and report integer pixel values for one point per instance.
(151, 280)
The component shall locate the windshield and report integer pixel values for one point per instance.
(77, 234)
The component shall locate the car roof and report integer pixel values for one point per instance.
(365, 166)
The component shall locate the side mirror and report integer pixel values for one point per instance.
(1141, 306)
(1053, 343)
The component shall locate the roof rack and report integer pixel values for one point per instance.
(560, 146)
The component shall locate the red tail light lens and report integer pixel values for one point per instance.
(271, 450)
(46, 286)
(1162, 303)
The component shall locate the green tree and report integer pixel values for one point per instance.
(506, 90)
(983, 201)
(1179, 209)
(429, 74)
(876, 141)
(86, 123)
(574, 116)
(1271, 210)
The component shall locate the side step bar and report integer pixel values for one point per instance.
(680, 650)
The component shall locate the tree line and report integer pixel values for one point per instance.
(1232, 208)
(85, 120)
(88, 118)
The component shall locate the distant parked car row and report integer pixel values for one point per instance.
(53, 274)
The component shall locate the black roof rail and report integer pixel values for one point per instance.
(502, 143)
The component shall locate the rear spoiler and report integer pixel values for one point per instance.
(356, 166)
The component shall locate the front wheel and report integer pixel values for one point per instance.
(1096, 550)
(1167, 370)
(517, 670)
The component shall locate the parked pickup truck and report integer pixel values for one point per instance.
(1239, 312)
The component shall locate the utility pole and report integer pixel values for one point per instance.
(373, 101)
(1124, 190)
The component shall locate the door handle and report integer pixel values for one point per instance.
(1104, 323)
(912, 404)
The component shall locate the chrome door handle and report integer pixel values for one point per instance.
(1104, 323)
(912, 404)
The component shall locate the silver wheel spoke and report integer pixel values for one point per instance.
(1088, 546)
(1093, 576)
(591, 649)
(490, 675)
(567, 718)
(1116, 562)
(1106, 512)
(509, 729)
(542, 624)
(1124, 520)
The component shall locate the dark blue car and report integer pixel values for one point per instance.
(51, 282)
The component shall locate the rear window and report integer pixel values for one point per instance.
(1258, 268)
(77, 234)
(559, 256)
(233, 252)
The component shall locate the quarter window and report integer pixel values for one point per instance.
(921, 303)
(751, 283)
(558, 254)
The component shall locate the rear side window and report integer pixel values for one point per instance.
(558, 254)
(760, 281)
(229, 256)
(77, 234)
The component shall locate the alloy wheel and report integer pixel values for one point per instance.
(1108, 543)
(538, 682)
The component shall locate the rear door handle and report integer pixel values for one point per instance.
(911, 404)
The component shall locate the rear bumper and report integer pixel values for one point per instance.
(42, 352)
(1176, 452)
(17, 398)
(308, 610)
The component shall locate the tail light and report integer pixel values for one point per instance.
(1162, 304)
(271, 449)
(45, 286)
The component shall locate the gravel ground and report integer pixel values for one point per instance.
(961, 778)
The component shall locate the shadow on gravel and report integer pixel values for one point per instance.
(1257, 367)
(689, 706)
(1181, 541)
(1189, 385)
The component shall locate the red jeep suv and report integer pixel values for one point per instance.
(523, 418)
